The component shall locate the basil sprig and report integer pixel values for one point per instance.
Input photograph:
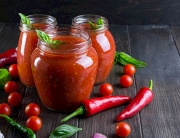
(45, 38)
(64, 131)
(25, 19)
(98, 24)
(123, 58)
(4, 77)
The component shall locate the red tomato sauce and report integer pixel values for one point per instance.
(26, 45)
(104, 44)
(64, 79)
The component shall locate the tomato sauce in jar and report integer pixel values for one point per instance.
(102, 41)
(64, 74)
(28, 42)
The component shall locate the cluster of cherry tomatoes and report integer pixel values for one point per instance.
(122, 129)
(126, 80)
(32, 110)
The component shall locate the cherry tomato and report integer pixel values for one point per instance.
(129, 69)
(13, 70)
(123, 129)
(10, 87)
(32, 109)
(126, 80)
(15, 99)
(106, 89)
(34, 123)
(5, 109)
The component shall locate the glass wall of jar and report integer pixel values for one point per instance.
(64, 73)
(28, 42)
(102, 41)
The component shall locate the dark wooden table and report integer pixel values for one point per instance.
(158, 46)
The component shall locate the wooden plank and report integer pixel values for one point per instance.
(155, 45)
(9, 34)
(152, 44)
(50, 119)
(1, 25)
(176, 35)
(104, 122)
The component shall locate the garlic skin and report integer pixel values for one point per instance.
(1, 135)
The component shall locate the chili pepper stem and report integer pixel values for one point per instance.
(79, 111)
(150, 84)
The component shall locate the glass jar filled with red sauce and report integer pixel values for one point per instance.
(28, 42)
(102, 41)
(64, 73)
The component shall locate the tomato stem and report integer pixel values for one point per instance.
(150, 84)
(79, 111)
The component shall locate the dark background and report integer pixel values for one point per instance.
(125, 12)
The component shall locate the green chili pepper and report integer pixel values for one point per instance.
(124, 59)
(27, 131)
(64, 131)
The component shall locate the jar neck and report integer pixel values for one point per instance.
(82, 22)
(73, 41)
(39, 21)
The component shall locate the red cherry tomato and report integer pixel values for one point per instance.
(106, 89)
(126, 80)
(13, 70)
(32, 109)
(10, 87)
(129, 69)
(5, 109)
(15, 99)
(123, 129)
(34, 123)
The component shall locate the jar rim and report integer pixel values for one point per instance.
(65, 32)
(39, 18)
(85, 18)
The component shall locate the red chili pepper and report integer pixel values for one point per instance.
(142, 98)
(92, 106)
(8, 57)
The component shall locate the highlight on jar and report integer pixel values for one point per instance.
(64, 67)
(28, 42)
(102, 41)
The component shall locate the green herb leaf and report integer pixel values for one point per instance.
(124, 59)
(99, 23)
(4, 77)
(24, 19)
(45, 38)
(116, 58)
(64, 131)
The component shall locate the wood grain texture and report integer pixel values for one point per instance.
(155, 45)
(158, 45)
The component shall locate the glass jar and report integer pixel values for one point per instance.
(64, 74)
(102, 41)
(28, 42)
